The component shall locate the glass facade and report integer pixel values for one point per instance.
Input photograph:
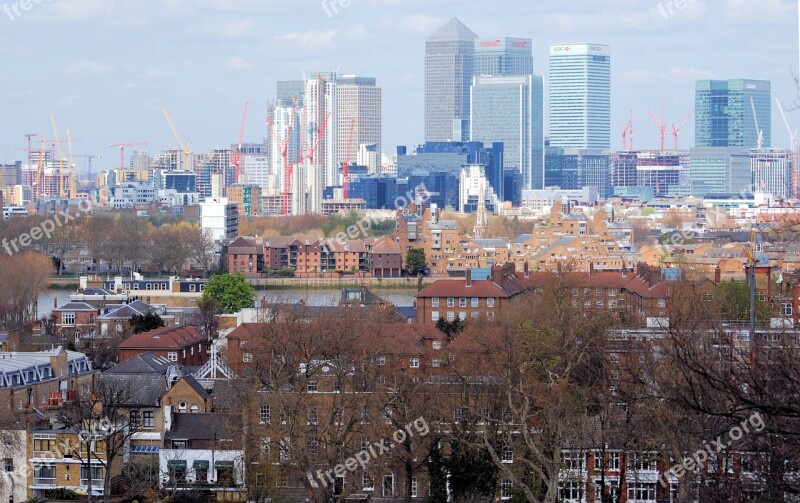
(449, 68)
(719, 170)
(510, 110)
(503, 57)
(724, 113)
(580, 96)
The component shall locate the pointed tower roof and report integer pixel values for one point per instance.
(454, 30)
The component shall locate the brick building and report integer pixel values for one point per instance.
(182, 345)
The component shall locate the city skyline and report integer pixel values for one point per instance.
(114, 91)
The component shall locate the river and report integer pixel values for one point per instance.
(398, 297)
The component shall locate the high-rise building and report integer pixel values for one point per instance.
(322, 133)
(772, 172)
(503, 56)
(724, 115)
(510, 110)
(720, 170)
(574, 169)
(449, 68)
(359, 101)
(580, 96)
(288, 90)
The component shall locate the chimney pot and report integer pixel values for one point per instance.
(469, 278)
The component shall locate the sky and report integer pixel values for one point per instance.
(106, 68)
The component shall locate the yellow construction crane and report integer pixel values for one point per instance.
(186, 152)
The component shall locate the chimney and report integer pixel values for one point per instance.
(591, 268)
(168, 415)
(497, 275)
(527, 270)
(717, 275)
(469, 278)
(55, 302)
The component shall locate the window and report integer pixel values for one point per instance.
(312, 415)
(311, 386)
(247, 357)
(474, 302)
(414, 363)
(148, 419)
(451, 315)
(435, 302)
(313, 445)
(264, 414)
(490, 302)
(462, 315)
(388, 486)
(572, 460)
(44, 475)
(435, 316)
(135, 419)
(285, 450)
(451, 302)
(367, 484)
(281, 480)
(380, 361)
(436, 363)
(265, 446)
(475, 315)
(786, 309)
(613, 358)
(612, 292)
(571, 490)
(505, 489)
(179, 444)
(462, 302)
(43, 443)
(437, 345)
(414, 487)
(172, 356)
(96, 473)
(641, 493)
(662, 303)
(8, 465)
(507, 454)
(613, 461)
(67, 318)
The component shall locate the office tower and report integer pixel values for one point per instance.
(772, 172)
(580, 96)
(502, 57)
(449, 68)
(288, 90)
(359, 101)
(574, 169)
(720, 170)
(511, 110)
(724, 113)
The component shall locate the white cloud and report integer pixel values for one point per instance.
(312, 39)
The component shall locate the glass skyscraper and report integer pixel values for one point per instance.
(503, 57)
(510, 110)
(449, 68)
(724, 113)
(580, 96)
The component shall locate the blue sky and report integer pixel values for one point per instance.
(106, 68)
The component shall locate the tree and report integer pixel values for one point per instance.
(415, 260)
(144, 323)
(450, 328)
(207, 321)
(231, 291)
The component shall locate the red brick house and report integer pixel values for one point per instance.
(74, 320)
(183, 345)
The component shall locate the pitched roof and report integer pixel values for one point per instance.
(203, 426)
(76, 306)
(196, 386)
(453, 30)
(164, 338)
(144, 363)
(137, 389)
(458, 288)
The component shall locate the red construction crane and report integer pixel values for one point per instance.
(288, 169)
(625, 135)
(348, 154)
(121, 147)
(662, 128)
(236, 156)
(677, 130)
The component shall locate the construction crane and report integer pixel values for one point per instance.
(236, 156)
(759, 131)
(40, 172)
(186, 152)
(677, 130)
(61, 160)
(346, 165)
(288, 170)
(628, 127)
(29, 136)
(662, 127)
(121, 147)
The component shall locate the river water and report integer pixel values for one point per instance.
(398, 297)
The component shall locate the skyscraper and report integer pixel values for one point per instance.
(510, 110)
(503, 56)
(359, 100)
(449, 68)
(580, 96)
(321, 136)
(724, 113)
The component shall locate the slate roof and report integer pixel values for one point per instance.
(164, 338)
(76, 306)
(144, 363)
(203, 426)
